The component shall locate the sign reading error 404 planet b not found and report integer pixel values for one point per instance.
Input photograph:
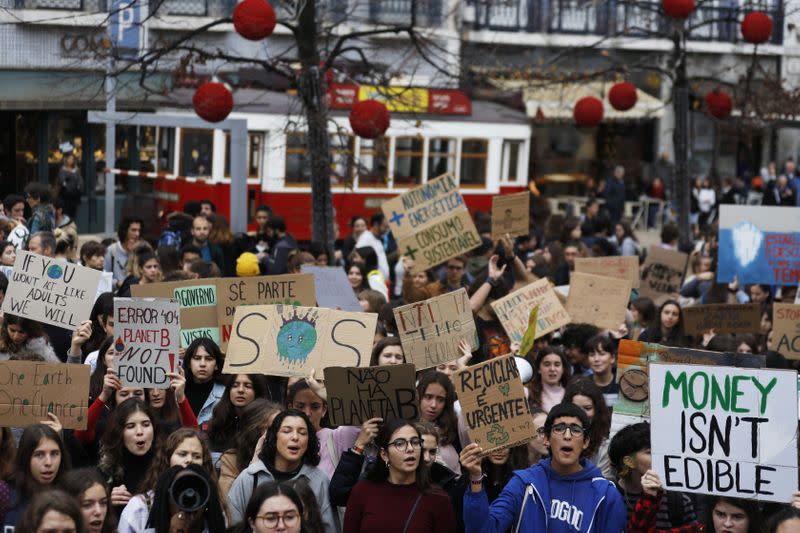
(431, 331)
(493, 404)
(281, 340)
(431, 223)
(30, 390)
(725, 430)
(51, 291)
(357, 394)
(146, 341)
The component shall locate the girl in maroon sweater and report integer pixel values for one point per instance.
(398, 495)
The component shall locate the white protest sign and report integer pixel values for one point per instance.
(332, 288)
(724, 430)
(51, 291)
(146, 340)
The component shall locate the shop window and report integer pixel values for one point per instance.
(408, 161)
(372, 168)
(197, 155)
(474, 153)
(441, 157)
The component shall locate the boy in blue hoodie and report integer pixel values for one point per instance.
(563, 493)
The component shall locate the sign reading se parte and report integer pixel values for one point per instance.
(356, 394)
(51, 291)
(493, 404)
(282, 340)
(725, 431)
(30, 390)
(146, 341)
(431, 330)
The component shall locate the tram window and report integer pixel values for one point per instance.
(473, 162)
(197, 154)
(298, 168)
(255, 144)
(342, 159)
(372, 167)
(408, 161)
(166, 150)
(441, 157)
(510, 166)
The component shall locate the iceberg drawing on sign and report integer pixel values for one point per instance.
(747, 240)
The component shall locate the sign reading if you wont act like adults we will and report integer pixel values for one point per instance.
(51, 291)
(431, 223)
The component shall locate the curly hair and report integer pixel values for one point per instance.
(447, 421)
(311, 455)
(601, 422)
(113, 445)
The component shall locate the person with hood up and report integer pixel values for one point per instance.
(560, 494)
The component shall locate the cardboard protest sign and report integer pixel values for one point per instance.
(615, 266)
(633, 362)
(287, 289)
(598, 300)
(493, 404)
(283, 340)
(198, 302)
(786, 329)
(511, 214)
(29, 390)
(759, 244)
(725, 431)
(722, 318)
(106, 284)
(514, 310)
(662, 275)
(431, 223)
(431, 330)
(147, 338)
(357, 394)
(332, 288)
(51, 291)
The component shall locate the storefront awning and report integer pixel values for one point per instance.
(556, 101)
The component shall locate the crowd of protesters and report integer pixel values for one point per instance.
(259, 453)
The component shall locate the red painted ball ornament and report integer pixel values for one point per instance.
(254, 19)
(212, 101)
(622, 96)
(757, 27)
(719, 104)
(369, 119)
(588, 111)
(678, 9)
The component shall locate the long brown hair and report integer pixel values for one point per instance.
(8, 452)
(535, 385)
(447, 421)
(601, 423)
(22, 479)
(252, 424)
(220, 230)
(31, 327)
(164, 453)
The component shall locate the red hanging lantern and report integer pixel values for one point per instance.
(369, 119)
(719, 104)
(678, 9)
(757, 27)
(622, 96)
(588, 112)
(212, 101)
(254, 19)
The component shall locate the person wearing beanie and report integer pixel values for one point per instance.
(247, 265)
(562, 493)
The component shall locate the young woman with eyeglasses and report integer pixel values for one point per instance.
(401, 477)
(273, 507)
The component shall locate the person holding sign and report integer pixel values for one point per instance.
(202, 364)
(566, 492)
(402, 478)
(41, 462)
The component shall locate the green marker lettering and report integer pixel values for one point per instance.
(735, 393)
(698, 375)
(765, 391)
(718, 397)
(679, 383)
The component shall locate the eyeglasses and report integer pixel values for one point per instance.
(574, 429)
(401, 445)
(270, 520)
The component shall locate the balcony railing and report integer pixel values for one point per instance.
(613, 17)
(429, 12)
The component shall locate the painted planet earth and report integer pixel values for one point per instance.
(54, 271)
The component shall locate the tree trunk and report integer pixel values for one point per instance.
(680, 139)
(310, 88)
